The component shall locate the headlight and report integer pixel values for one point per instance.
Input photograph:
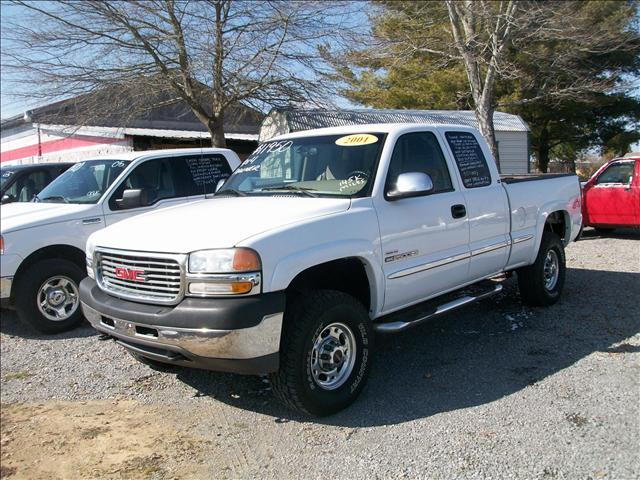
(231, 260)
(231, 271)
(89, 249)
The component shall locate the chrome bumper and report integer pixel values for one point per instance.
(240, 344)
(5, 287)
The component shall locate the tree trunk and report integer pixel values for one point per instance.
(542, 152)
(215, 125)
(485, 124)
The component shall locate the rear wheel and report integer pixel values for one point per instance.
(47, 296)
(325, 356)
(541, 283)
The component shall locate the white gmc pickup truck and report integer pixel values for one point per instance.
(42, 243)
(318, 240)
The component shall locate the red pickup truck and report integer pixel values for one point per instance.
(611, 197)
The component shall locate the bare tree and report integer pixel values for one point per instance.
(209, 54)
(481, 33)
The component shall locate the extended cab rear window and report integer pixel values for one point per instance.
(469, 158)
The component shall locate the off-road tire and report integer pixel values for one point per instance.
(27, 289)
(531, 279)
(305, 319)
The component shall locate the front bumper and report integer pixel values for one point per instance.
(9, 264)
(240, 335)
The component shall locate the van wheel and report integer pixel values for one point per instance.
(541, 283)
(47, 296)
(325, 353)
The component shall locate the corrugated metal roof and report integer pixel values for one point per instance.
(309, 119)
(117, 132)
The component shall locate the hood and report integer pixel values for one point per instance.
(221, 222)
(21, 215)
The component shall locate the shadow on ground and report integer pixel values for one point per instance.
(478, 355)
(11, 325)
(619, 233)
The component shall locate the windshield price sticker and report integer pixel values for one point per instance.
(356, 140)
(269, 147)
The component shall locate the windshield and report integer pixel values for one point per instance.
(84, 182)
(5, 176)
(330, 165)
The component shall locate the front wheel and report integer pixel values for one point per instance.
(47, 295)
(325, 354)
(541, 284)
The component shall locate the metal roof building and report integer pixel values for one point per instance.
(512, 133)
(86, 126)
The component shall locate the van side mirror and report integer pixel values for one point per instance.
(133, 198)
(412, 184)
(7, 198)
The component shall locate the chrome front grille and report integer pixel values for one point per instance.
(141, 276)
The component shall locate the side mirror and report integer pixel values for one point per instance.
(133, 198)
(8, 198)
(412, 184)
(220, 183)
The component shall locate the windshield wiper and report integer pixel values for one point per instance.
(306, 191)
(54, 197)
(235, 192)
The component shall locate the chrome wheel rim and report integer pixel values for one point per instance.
(551, 270)
(58, 298)
(333, 356)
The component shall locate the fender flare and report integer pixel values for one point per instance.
(297, 262)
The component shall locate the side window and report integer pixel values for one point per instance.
(200, 175)
(621, 172)
(469, 159)
(31, 184)
(420, 152)
(153, 177)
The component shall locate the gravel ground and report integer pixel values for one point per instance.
(494, 391)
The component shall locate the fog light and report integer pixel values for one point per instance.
(231, 288)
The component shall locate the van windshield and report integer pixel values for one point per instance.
(84, 182)
(328, 165)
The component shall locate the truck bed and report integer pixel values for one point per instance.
(531, 177)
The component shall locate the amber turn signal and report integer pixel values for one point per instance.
(245, 260)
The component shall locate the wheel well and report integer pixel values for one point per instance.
(67, 252)
(346, 275)
(557, 223)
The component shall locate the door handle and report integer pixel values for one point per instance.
(458, 211)
(91, 221)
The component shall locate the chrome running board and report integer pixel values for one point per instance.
(394, 326)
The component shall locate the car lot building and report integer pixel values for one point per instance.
(63, 131)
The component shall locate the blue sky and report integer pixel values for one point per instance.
(11, 105)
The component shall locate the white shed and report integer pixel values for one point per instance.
(512, 133)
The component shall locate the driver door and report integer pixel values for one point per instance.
(611, 199)
(157, 179)
(425, 239)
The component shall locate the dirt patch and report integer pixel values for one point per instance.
(98, 439)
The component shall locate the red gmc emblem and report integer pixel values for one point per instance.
(130, 274)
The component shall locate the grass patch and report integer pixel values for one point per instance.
(17, 376)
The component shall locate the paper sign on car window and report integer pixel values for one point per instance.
(356, 140)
